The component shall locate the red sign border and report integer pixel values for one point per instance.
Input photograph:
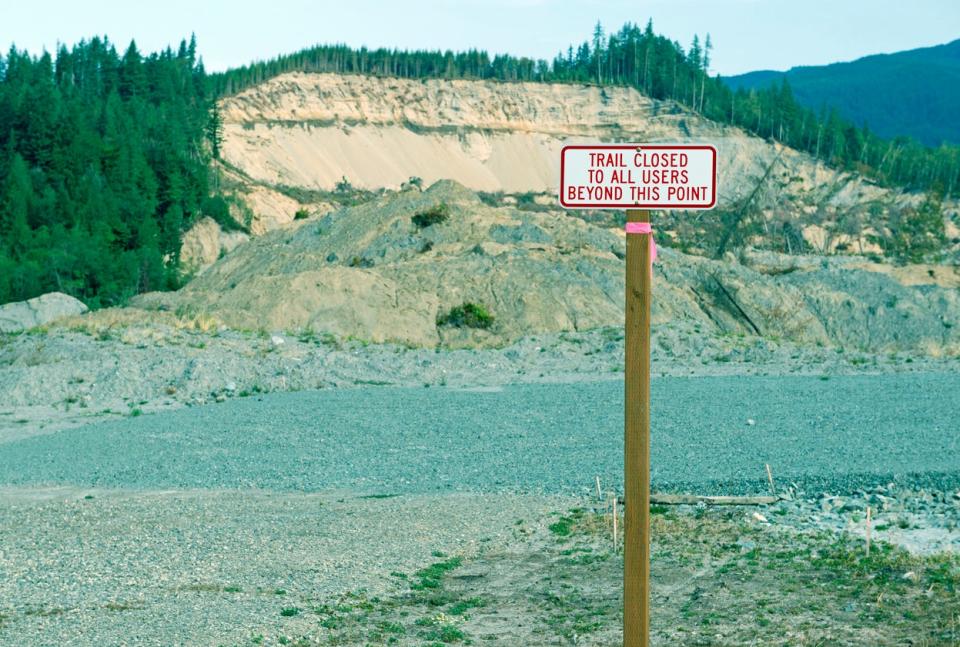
(563, 161)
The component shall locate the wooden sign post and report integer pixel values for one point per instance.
(636, 437)
(638, 177)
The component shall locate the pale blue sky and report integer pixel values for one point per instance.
(747, 34)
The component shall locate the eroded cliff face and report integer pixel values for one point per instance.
(312, 130)
(290, 139)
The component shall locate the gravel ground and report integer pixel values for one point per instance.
(92, 567)
(159, 486)
(710, 435)
(53, 379)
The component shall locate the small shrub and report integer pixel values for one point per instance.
(360, 261)
(916, 233)
(468, 315)
(491, 199)
(343, 186)
(289, 612)
(432, 216)
(451, 634)
(301, 214)
(562, 528)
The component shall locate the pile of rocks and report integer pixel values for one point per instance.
(920, 520)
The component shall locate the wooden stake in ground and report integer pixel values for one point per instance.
(636, 439)
(868, 531)
(773, 488)
(599, 496)
(614, 515)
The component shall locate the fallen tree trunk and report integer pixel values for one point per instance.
(694, 499)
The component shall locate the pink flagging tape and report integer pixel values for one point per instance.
(644, 228)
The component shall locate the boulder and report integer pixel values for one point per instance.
(23, 315)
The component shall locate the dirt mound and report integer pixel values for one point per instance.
(381, 272)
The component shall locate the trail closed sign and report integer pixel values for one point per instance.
(638, 176)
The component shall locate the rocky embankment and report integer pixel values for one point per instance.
(377, 272)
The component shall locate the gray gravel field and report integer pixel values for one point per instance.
(711, 435)
(99, 568)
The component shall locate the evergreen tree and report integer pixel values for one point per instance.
(99, 171)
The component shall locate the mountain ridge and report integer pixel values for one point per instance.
(925, 80)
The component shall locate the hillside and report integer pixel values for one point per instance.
(310, 141)
(914, 93)
(115, 178)
(376, 273)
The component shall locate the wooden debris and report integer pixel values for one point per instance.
(694, 499)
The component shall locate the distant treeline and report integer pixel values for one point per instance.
(103, 163)
(659, 68)
(105, 159)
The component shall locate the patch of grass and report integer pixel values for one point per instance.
(289, 612)
(379, 496)
(816, 588)
(565, 526)
(392, 628)
(446, 634)
(433, 216)
(562, 528)
(360, 261)
(333, 622)
(462, 606)
(431, 577)
(467, 315)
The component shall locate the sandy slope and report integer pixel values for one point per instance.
(309, 131)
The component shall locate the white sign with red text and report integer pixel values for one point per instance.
(638, 176)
